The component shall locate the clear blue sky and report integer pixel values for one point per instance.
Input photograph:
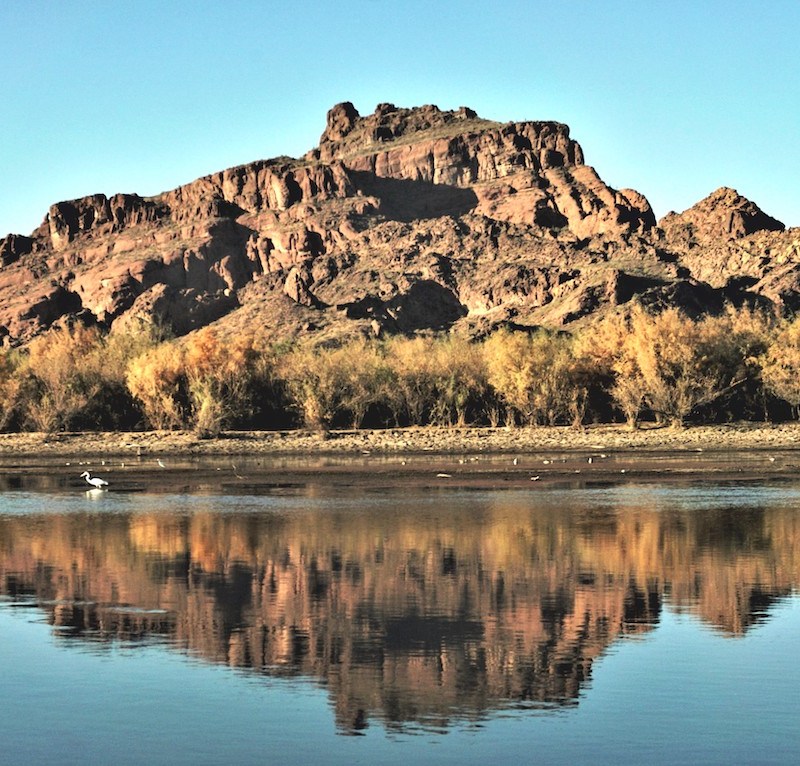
(671, 98)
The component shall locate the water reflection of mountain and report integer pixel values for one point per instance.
(410, 617)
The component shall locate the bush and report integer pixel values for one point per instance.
(672, 365)
(367, 379)
(63, 374)
(542, 378)
(436, 381)
(155, 379)
(204, 382)
(222, 379)
(780, 365)
(10, 387)
(315, 381)
(113, 406)
(666, 366)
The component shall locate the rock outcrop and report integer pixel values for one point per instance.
(724, 214)
(403, 220)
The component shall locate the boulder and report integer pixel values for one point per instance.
(297, 289)
(178, 311)
(341, 120)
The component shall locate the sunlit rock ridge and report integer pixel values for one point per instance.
(404, 220)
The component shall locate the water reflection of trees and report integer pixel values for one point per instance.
(412, 617)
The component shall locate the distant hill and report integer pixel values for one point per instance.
(405, 220)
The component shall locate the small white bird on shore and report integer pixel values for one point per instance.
(95, 481)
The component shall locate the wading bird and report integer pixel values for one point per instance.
(95, 481)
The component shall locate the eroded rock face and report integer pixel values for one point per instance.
(402, 220)
(100, 215)
(13, 247)
(177, 310)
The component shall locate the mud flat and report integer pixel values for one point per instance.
(473, 457)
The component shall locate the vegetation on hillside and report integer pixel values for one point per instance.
(661, 367)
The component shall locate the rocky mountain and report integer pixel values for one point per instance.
(403, 220)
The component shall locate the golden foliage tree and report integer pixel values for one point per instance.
(204, 381)
(155, 379)
(435, 381)
(671, 364)
(221, 378)
(413, 386)
(316, 380)
(367, 379)
(63, 375)
(461, 382)
(10, 386)
(542, 378)
(780, 365)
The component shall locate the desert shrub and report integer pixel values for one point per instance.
(412, 381)
(63, 375)
(367, 380)
(414, 390)
(596, 350)
(780, 365)
(113, 405)
(338, 385)
(436, 381)
(316, 380)
(122, 346)
(10, 387)
(672, 365)
(156, 380)
(510, 371)
(71, 377)
(752, 331)
(629, 389)
(542, 378)
(611, 351)
(223, 377)
(460, 381)
(204, 382)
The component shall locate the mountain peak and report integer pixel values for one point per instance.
(723, 213)
(347, 132)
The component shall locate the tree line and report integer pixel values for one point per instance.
(663, 367)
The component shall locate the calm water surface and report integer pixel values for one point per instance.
(624, 624)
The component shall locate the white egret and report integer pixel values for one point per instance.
(95, 481)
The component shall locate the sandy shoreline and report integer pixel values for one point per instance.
(468, 441)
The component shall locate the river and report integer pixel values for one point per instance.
(301, 622)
